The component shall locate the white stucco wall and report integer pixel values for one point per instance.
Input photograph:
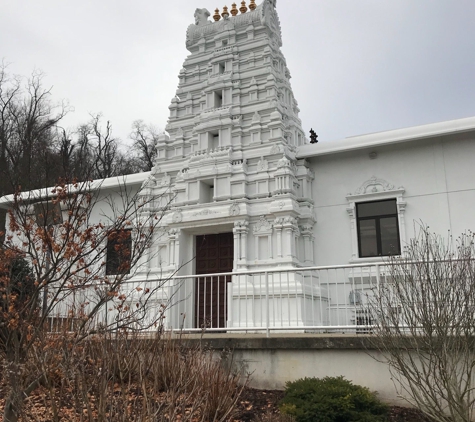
(437, 174)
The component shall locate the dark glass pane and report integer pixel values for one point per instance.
(367, 236)
(389, 236)
(119, 245)
(48, 214)
(374, 209)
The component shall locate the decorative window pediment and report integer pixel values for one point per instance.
(375, 186)
(374, 189)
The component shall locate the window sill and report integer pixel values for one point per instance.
(370, 260)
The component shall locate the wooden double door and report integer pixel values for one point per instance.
(214, 254)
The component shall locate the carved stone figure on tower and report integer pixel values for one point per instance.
(201, 16)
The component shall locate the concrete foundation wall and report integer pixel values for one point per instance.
(287, 357)
(272, 368)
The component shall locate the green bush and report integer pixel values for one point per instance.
(331, 399)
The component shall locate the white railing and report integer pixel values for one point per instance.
(309, 299)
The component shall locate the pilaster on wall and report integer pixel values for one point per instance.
(173, 246)
(287, 233)
(306, 232)
(240, 230)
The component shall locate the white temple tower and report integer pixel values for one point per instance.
(240, 199)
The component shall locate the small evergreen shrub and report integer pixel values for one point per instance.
(331, 399)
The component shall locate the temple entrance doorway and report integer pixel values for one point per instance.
(214, 254)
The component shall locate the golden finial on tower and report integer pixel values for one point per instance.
(234, 10)
(243, 7)
(225, 13)
(252, 4)
(216, 15)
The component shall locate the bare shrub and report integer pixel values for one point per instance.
(127, 376)
(424, 315)
(70, 286)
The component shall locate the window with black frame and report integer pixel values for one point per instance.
(119, 251)
(378, 229)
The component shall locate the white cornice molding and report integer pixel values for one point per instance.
(409, 134)
(118, 182)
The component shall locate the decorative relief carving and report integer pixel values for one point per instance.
(201, 17)
(219, 152)
(306, 230)
(166, 180)
(262, 165)
(289, 220)
(173, 233)
(401, 205)
(234, 209)
(262, 225)
(205, 212)
(237, 120)
(177, 216)
(271, 20)
(241, 226)
(351, 210)
(285, 163)
(375, 185)
(197, 31)
(275, 149)
(149, 183)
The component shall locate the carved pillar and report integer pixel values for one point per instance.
(240, 241)
(244, 231)
(278, 228)
(237, 246)
(173, 245)
(401, 209)
(307, 233)
(177, 247)
(289, 227)
(351, 210)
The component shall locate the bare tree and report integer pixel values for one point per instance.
(80, 268)
(106, 147)
(27, 123)
(424, 313)
(145, 144)
(96, 152)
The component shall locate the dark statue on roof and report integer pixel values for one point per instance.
(313, 137)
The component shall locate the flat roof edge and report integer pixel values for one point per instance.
(101, 184)
(412, 133)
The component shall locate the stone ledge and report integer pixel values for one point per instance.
(282, 341)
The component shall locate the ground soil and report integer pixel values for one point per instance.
(257, 403)
(254, 405)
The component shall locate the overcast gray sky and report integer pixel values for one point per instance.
(357, 66)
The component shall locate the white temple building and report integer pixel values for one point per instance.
(302, 227)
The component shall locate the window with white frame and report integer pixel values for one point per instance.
(376, 212)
